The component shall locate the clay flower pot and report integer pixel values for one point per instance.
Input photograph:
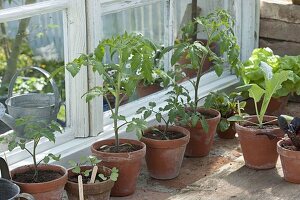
(164, 157)
(275, 106)
(51, 190)
(91, 191)
(229, 133)
(145, 90)
(258, 150)
(201, 142)
(290, 161)
(129, 165)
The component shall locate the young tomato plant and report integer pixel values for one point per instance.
(35, 130)
(218, 28)
(172, 109)
(122, 62)
(272, 82)
(92, 161)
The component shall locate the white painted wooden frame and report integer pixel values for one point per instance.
(75, 43)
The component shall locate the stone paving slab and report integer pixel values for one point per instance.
(238, 182)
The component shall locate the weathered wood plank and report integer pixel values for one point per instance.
(75, 36)
(281, 10)
(280, 30)
(281, 47)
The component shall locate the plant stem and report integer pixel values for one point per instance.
(117, 104)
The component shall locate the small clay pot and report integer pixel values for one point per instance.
(201, 142)
(164, 157)
(258, 150)
(91, 191)
(275, 106)
(129, 164)
(229, 133)
(290, 161)
(145, 90)
(51, 190)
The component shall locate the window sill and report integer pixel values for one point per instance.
(72, 149)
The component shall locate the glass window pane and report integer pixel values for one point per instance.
(14, 3)
(36, 41)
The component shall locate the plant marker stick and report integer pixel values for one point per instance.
(94, 173)
(80, 188)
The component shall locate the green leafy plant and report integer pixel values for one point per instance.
(291, 126)
(35, 130)
(218, 28)
(132, 58)
(227, 105)
(251, 71)
(92, 161)
(172, 109)
(272, 82)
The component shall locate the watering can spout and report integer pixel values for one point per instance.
(7, 119)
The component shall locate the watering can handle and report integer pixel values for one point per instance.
(45, 73)
(26, 196)
(4, 169)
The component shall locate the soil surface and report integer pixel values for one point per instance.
(43, 176)
(123, 148)
(85, 179)
(270, 126)
(156, 135)
(290, 147)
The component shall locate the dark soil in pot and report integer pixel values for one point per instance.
(201, 142)
(51, 190)
(128, 163)
(99, 190)
(290, 161)
(258, 149)
(164, 156)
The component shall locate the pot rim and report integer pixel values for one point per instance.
(183, 131)
(282, 149)
(141, 151)
(88, 184)
(255, 119)
(209, 110)
(31, 166)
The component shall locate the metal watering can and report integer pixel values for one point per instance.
(9, 190)
(42, 107)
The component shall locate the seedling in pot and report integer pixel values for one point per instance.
(291, 126)
(35, 131)
(122, 62)
(272, 82)
(172, 108)
(87, 174)
(218, 28)
(227, 105)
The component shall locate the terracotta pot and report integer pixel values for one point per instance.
(164, 157)
(201, 142)
(51, 190)
(229, 133)
(145, 90)
(275, 107)
(290, 161)
(129, 165)
(258, 150)
(91, 191)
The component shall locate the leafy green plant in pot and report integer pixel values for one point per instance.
(258, 134)
(202, 123)
(251, 72)
(227, 105)
(131, 60)
(289, 148)
(165, 143)
(97, 181)
(40, 180)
